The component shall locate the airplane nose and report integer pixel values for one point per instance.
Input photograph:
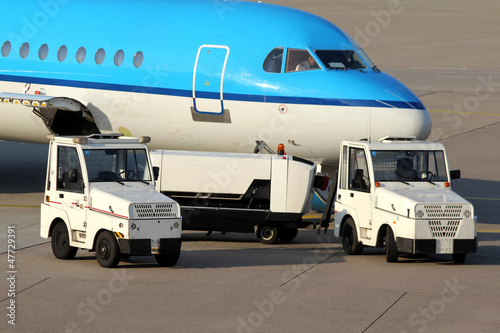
(401, 123)
(400, 113)
(422, 124)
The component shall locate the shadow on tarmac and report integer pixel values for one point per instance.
(484, 195)
(225, 258)
(306, 257)
(22, 167)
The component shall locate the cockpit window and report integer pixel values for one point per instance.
(340, 59)
(365, 58)
(300, 60)
(273, 61)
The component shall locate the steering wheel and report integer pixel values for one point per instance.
(129, 174)
(425, 175)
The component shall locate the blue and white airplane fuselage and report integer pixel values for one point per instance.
(195, 75)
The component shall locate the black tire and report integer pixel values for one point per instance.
(167, 259)
(350, 240)
(267, 234)
(107, 251)
(287, 234)
(459, 258)
(60, 242)
(391, 249)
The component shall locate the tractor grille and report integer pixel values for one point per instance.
(443, 211)
(149, 211)
(444, 229)
(448, 211)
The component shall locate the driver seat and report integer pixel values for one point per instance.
(107, 176)
(404, 169)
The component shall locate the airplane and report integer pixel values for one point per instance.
(211, 75)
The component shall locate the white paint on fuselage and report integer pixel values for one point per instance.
(308, 131)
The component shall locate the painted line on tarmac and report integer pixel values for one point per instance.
(312, 216)
(18, 292)
(490, 231)
(313, 266)
(26, 247)
(465, 112)
(19, 206)
(366, 329)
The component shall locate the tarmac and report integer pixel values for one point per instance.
(447, 52)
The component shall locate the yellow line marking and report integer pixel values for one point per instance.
(490, 231)
(312, 216)
(465, 112)
(18, 206)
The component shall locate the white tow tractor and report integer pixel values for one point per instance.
(100, 195)
(233, 192)
(397, 194)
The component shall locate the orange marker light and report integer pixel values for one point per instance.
(446, 184)
(377, 184)
(281, 149)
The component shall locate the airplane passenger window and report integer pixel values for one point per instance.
(43, 51)
(340, 59)
(99, 56)
(138, 59)
(81, 54)
(25, 50)
(119, 56)
(6, 47)
(273, 61)
(299, 60)
(62, 53)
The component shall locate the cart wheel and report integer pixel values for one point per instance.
(287, 234)
(167, 259)
(459, 258)
(391, 249)
(350, 240)
(107, 250)
(60, 242)
(267, 234)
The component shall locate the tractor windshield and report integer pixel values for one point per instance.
(396, 165)
(111, 165)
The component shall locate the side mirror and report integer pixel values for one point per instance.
(156, 172)
(455, 174)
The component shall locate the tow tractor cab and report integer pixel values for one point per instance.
(100, 195)
(396, 194)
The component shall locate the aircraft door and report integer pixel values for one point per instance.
(208, 79)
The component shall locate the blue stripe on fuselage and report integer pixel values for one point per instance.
(227, 96)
